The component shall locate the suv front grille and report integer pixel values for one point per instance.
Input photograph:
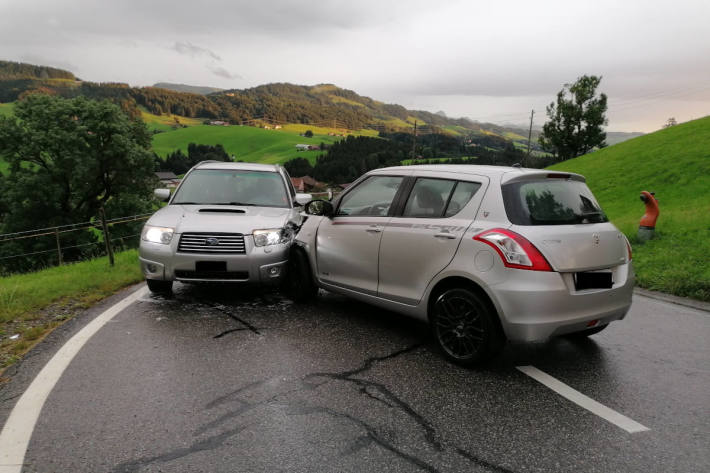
(212, 243)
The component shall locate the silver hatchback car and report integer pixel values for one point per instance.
(226, 222)
(483, 253)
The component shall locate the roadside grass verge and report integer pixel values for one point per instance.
(33, 304)
(675, 164)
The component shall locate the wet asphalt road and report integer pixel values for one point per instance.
(225, 379)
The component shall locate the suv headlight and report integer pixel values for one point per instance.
(272, 236)
(161, 235)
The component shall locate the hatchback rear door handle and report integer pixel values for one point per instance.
(373, 229)
(447, 235)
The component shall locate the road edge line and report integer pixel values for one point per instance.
(17, 431)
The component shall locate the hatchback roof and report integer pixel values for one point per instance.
(237, 166)
(461, 168)
(511, 173)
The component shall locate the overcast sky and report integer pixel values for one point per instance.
(488, 60)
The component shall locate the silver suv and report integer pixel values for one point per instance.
(484, 253)
(226, 222)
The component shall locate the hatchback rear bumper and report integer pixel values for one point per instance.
(535, 305)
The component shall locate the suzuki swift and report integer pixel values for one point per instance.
(485, 254)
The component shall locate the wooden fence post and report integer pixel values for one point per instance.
(107, 236)
(59, 248)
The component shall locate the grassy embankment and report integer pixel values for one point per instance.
(33, 304)
(675, 164)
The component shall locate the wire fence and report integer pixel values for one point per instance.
(101, 224)
(102, 232)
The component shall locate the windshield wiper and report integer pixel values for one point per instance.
(237, 203)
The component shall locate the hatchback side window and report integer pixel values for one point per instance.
(428, 198)
(462, 194)
(371, 197)
(436, 198)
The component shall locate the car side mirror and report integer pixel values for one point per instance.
(321, 208)
(303, 199)
(162, 194)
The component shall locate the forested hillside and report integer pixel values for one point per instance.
(323, 104)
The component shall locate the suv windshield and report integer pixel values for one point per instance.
(232, 187)
(551, 202)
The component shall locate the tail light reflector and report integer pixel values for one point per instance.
(514, 249)
(628, 247)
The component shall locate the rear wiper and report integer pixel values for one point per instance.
(586, 215)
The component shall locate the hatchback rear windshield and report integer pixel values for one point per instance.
(551, 202)
(232, 187)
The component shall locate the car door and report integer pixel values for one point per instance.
(348, 243)
(423, 238)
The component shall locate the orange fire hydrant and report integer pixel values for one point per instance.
(647, 226)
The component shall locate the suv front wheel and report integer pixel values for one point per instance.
(463, 326)
(159, 287)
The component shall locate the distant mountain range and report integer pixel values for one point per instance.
(193, 89)
(323, 104)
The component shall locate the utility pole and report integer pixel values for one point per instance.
(527, 159)
(414, 142)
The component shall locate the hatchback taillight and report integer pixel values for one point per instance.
(514, 249)
(628, 247)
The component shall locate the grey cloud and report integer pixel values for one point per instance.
(191, 50)
(222, 72)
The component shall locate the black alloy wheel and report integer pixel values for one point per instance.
(463, 327)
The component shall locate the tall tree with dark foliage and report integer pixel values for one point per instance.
(575, 120)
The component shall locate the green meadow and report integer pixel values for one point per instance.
(675, 164)
(245, 143)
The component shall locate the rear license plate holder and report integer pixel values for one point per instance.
(211, 266)
(593, 280)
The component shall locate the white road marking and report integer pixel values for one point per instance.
(586, 402)
(16, 433)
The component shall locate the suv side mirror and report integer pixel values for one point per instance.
(162, 194)
(321, 208)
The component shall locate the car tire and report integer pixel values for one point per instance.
(160, 287)
(464, 327)
(586, 333)
(299, 285)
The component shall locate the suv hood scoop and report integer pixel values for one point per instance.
(231, 211)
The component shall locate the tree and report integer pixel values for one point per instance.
(298, 167)
(575, 121)
(671, 122)
(67, 159)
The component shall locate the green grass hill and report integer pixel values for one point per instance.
(675, 164)
(248, 143)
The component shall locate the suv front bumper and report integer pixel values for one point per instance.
(259, 264)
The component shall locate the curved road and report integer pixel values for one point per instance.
(224, 380)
